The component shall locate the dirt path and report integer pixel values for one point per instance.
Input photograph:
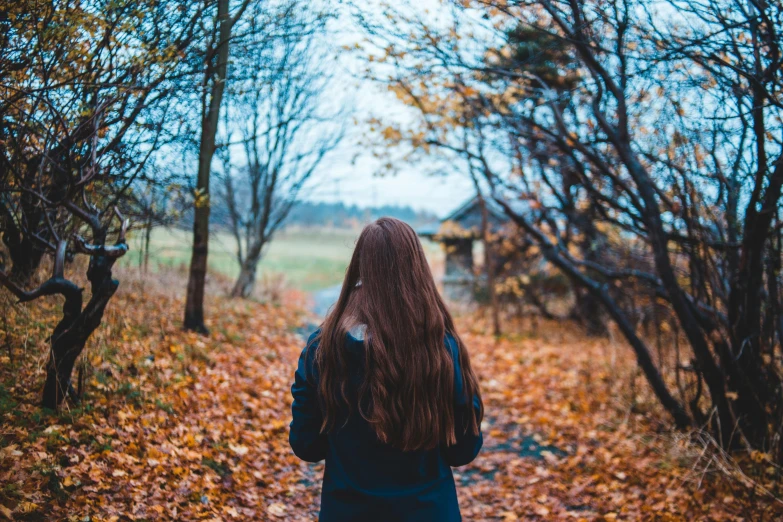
(322, 300)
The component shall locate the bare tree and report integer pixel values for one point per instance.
(212, 89)
(278, 108)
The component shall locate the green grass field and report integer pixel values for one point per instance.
(309, 259)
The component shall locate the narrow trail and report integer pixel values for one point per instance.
(513, 444)
(504, 442)
(323, 299)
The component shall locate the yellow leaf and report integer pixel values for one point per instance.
(189, 439)
(239, 450)
(277, 509)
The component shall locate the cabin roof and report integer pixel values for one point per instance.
(468, 217)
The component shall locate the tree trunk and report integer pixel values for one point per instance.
(147, 238)
(588, 308)
(755, 386)
(77, 325)
(724, 422)
(246, 281)
(588, 312)
(24, 253)
(489, 266)
(70, 337)
(215, 75)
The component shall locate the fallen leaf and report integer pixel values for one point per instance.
(276, 509)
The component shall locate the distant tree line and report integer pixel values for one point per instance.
(341, 215)
(304, 214)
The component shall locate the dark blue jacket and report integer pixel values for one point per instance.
(365, 479)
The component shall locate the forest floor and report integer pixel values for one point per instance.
(174, 426)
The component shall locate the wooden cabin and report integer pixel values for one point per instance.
(457, 232)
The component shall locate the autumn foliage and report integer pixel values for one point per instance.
(176, 426)
(639, 164)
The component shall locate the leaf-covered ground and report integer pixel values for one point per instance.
(179, 427)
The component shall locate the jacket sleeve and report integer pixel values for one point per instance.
(305, 437)
(468, 445)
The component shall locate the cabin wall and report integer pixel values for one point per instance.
(458, 278)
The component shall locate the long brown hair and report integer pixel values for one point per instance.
(409, 372)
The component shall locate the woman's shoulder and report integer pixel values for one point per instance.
(311, 345)
(354, 337)
(308, 355)
(314, 337)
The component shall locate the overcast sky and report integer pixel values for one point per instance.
(351, 174)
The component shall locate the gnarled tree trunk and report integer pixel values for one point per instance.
(77, 324)
(246, 282)
(75, 328)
